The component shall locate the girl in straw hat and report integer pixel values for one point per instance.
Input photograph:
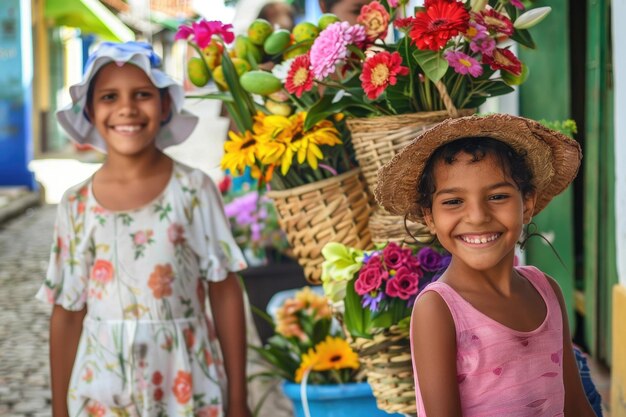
(488, 338)
(136, 248)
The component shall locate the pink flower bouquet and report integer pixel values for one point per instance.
(378, 288)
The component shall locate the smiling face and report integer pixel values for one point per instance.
(478, 212)
(127, 109)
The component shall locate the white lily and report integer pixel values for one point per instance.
(531, 17)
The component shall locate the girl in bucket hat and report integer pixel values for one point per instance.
(488, 338)
(137, 247)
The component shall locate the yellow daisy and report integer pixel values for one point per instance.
(335, 353)
(239, 152)
(309, 361)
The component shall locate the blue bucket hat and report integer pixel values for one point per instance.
(74, 120)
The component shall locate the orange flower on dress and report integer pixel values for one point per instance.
(160, 281)
(95, 409)
(88, 376)
(102, 272)
(182, 388)
(208, 411)
(157, 378)
(158, 394)
(176, 234)
(190, 337)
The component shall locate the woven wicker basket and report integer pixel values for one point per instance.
(376, 140)
(387, 362)
(332, 210)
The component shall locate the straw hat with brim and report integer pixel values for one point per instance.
(74, 120)
(552, 157)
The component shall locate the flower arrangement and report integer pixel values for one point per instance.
(378, 288)
(464, 47)
(254, 223)
(305, 346)
(272, 140)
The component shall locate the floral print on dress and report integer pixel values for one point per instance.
(147, 347)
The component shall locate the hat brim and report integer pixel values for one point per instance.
(73, 117)
(552, 157)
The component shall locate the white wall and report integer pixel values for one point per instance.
(619, 80)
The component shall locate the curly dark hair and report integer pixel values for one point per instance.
(512, 163)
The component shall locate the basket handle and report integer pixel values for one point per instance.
(447, 101)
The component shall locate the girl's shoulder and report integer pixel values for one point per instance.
(75, 198)
(192, 178)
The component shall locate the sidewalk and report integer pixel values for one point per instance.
(16, 200)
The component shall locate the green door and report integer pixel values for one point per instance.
(600, 269)
(546, 95)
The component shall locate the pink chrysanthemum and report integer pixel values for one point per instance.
(203, 30)
(503, 59)
(380, 71)
(331, 47)
(300, 78)
(494, 22)
(463, 64)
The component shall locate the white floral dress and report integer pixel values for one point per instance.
(147, 346)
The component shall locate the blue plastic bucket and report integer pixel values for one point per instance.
(340, 400)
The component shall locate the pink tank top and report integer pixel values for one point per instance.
(501, 371)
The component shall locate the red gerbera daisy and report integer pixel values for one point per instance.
(494, 22)
(300, 76)
(442, 20)
(503, 59)
(380, 71)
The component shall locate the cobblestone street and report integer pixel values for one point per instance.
(24, 376)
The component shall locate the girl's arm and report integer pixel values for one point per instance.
(576, 403)
(434, 356)
(65, 330)
(226, 299)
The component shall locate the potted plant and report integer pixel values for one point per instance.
(375, 291)
(319, 369)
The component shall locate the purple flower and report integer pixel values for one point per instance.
(371, 300)
(518, 4)
(463, 64)
(429, 259)
(331, 47)
(483, 43)
(404, 284)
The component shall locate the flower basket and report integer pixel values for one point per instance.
(376, 140)
(386, 359)
(336, 209)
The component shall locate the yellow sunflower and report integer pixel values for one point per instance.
(239, 152)
(309, 361)
(335, 353)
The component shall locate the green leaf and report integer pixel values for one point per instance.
(325, 108)
(357, 319)
(498, 88)
(432, 63)
(242, 99)
(523, 37)
(222, 96)
(398, 97)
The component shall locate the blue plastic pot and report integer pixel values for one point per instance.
(340, 400)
